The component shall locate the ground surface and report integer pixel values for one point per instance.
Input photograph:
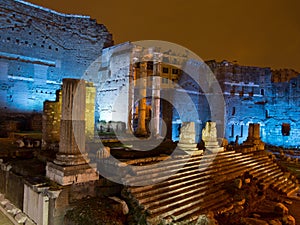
(4, 220)
(96, 211)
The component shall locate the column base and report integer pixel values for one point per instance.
(141, 133)
(70, 160)
(66, 175)
(187, 146)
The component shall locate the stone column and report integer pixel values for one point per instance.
(71, 163)
(250, 131)
(132, 76)
(72, 128)
(253, 138)
(187, 136)
(209, 136)
(155, 128)
(90, 111)
(142, 87)
(51, 123)
(256, 131)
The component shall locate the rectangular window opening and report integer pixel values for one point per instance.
(285, 129)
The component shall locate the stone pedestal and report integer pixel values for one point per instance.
(187, 136)
(209, 136)
(66, 175)
(71, 163)
(253, 138)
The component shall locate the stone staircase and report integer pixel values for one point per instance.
(183, 187)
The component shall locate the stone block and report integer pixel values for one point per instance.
(66, 175)
(21, 218)
(4, 202)
(281, 209)
(289, 220)
(238, 183)
(123, 206)
(29, 222)
(10, 208)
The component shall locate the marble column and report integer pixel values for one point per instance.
(209, 136)
(142, 87)
(155, 105)
(71, 163)
(72, 128)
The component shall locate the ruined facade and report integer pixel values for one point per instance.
(39, 47)
(251, 94)
(260, 95)
(150, 90)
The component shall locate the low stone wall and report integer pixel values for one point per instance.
(36, 200)
(11, 185)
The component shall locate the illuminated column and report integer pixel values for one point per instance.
(142, 87)
(71, 163)
(132, 78)
(90, 111)
(155, 128)
(72, 129)
(250, 131)
(256, 131)
(253, 138)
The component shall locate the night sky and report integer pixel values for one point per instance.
(252, 32)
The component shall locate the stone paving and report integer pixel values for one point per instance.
(4, 220)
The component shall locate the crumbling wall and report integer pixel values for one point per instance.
(260, 95)
(113, 90)
(51, 122)
(39, 48)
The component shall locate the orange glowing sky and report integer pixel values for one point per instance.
(253, 32)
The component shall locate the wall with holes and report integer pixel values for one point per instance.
(38, 48)
(260, 95)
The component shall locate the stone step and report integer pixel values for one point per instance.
(285, 184)
(266, 165)
(159, 188)
(288, 188)
(279, 183)
(239, 170)
(160, 192)
(193, 219)
(192, 171)
(183, 159)
(179, 211)
(177, 164)
(271, 179)
(188, 188)
(292, 190)
(169, 184)
(155, 178)
(182, 198)
(146, 200)
(187, 177)
(267, 173)
(218, 199)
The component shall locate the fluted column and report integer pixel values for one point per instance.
(142, 87)
(155, 127)
(72, 130)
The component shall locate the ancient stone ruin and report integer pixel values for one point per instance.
(71, 164)
(57, 178)
(253, 140)
(187, 141)
(209, 136)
